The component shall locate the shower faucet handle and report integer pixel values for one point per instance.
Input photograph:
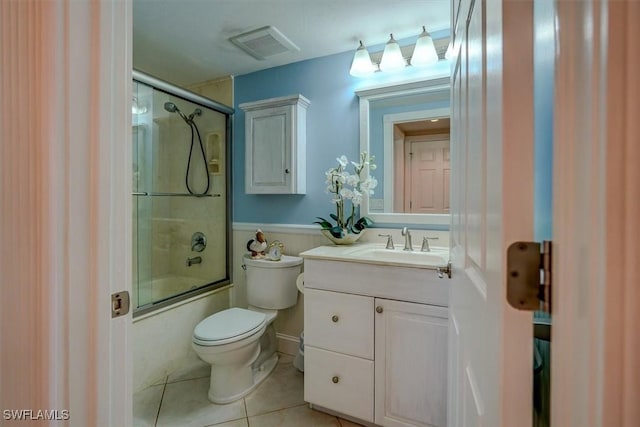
(198, 242)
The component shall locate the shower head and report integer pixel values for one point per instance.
(196, 112)
(173, 108)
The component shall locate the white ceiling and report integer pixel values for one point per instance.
(186, 41)
(422, 127)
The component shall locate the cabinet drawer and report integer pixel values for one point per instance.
(339, 382)
(339, 322)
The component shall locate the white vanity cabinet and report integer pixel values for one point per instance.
(275, 147)
(369, 355)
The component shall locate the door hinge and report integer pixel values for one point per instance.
(529, 273)
(119, 304)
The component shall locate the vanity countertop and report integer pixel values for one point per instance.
(376, 253)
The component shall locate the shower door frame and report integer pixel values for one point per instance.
(172, 90)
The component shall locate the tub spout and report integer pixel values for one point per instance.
(194, 260)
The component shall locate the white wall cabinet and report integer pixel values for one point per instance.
(275, 148)
(369, 356)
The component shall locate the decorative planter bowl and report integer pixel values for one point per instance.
(348, 239)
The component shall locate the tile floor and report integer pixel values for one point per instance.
(182, 402)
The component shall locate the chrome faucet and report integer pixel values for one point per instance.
(407, 239)
(194, 260)
(425, 243)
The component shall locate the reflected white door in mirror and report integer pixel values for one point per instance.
(406, 128)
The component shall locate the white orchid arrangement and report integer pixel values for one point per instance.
(349, 186)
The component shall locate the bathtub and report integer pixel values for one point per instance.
(162, 338)
(164, 287)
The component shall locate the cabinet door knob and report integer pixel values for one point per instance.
(379, 309)
(335, 379)
(287, 170)
(335, 318)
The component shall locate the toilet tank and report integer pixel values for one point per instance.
(272, 284)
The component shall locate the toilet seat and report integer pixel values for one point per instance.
(227, 326)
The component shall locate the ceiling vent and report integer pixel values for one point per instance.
(264, 42)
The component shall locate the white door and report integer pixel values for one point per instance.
(427, 177)
(490, 373)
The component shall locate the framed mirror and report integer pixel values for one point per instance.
(406, 128)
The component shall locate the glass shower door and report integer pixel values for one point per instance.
(180, 189)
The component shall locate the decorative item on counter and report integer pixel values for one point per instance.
(258, 245)
(346, 186)
(275, 250)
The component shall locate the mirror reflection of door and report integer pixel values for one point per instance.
(421, 157)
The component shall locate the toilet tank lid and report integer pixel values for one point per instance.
(285, 261)
(227, 324)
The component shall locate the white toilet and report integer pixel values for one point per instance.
(240, 344)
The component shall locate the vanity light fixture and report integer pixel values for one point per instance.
(392, 59)
(424, 52)
(361, 65)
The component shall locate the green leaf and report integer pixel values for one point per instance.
(337, 231)
(323, 223)
(350, 220)
(366, 222)
(334, 216)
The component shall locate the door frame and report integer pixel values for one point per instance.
(66, 217)
(595, 358)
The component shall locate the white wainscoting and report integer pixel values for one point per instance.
(298, 238)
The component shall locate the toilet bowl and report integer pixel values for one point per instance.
(240, 344)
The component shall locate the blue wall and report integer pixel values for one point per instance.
(332, 126)
(544, 46)
(332, 130)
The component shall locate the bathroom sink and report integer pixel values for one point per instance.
(433, 258)
(375, 253)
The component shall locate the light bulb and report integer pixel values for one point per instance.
(361, 65)
(392, 58)
(424, 53)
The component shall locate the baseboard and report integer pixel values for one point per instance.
(341, 415)
(288, 344)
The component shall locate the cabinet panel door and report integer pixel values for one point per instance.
(339, 322)
(269, 150)
(411, 342)
(339, 382)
